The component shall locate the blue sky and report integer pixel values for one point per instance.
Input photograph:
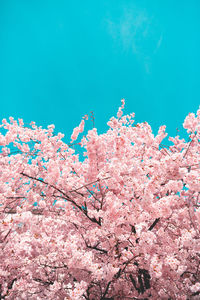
(59, 60)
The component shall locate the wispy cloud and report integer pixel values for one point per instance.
(136, 31)
(131, 25)
(158, 43)
(127, 28)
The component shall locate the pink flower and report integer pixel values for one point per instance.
(77, 130)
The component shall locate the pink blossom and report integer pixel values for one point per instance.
(77, 130)
(123, 222)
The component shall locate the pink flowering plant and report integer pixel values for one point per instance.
(123, 223)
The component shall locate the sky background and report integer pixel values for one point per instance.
(61, 59)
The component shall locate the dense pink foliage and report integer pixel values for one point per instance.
(126, 222)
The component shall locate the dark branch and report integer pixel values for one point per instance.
(11, 283)
(66, 197)
(96, 248)
(196, 293)
(106, 291)
(134, 283)
(133, 229)
(154, 223)
(43, 282)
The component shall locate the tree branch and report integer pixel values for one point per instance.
(154, 223)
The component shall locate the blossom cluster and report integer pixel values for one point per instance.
(123, 223)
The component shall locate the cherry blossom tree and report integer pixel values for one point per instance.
(123, 223)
